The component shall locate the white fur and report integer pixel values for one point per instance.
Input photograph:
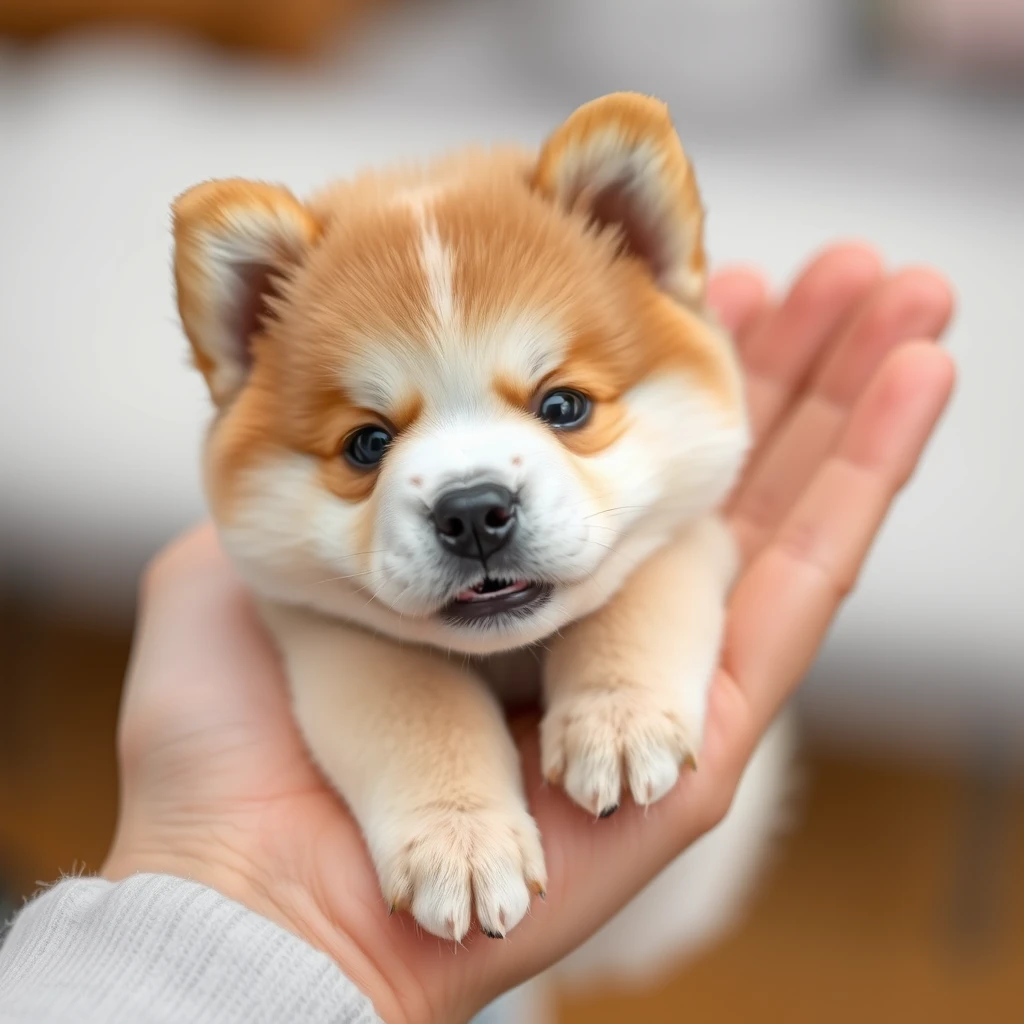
(437, 268)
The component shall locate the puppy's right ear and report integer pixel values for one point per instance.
(233, 240)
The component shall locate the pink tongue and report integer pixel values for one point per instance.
(475, 595)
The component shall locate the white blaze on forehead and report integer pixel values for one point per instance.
(437, 265)
(454, 370)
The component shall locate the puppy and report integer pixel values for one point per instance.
(473, 421)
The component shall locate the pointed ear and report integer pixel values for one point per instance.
(233, 240)
(619, 160)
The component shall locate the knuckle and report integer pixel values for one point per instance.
(804, 544)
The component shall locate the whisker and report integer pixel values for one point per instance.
(621, 512)
(363, 586)
(555, 631)
(607, 547)
(336, 579)
(617, 508)
(383, 584)
(398, 597)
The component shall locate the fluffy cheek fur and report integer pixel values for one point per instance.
(586, 522)
(676, 463)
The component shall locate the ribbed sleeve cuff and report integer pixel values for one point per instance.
(155, 949)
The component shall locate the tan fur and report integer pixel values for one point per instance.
(442, 303)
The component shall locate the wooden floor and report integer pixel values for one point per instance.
(899, 898)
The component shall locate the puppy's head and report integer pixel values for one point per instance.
(461, 404)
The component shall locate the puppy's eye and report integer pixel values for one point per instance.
(565, 409)
(365, 447)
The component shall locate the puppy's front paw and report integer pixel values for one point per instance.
(452, 860)
(595, 741)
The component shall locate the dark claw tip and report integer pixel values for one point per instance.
(492, 935)
(609, 811)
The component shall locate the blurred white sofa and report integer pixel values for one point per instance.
(100, 417)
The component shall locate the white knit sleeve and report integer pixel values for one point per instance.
(160, 950)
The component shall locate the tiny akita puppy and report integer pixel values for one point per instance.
(465, 411)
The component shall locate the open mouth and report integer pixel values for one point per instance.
(493, 596)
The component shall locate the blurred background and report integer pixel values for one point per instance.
(899, 892)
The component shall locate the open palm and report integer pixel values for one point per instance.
(844, 387)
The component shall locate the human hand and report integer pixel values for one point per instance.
(844, 387)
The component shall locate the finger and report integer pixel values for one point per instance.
(738, 295)
(778, 356)
(912, 304)
(783, 604)
(756, 324)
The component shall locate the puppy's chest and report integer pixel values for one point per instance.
(514, 676)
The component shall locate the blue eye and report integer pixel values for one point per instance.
(565, 409)
(365, 447)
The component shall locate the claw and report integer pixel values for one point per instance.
(398, 905)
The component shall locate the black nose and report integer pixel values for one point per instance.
(475, 521)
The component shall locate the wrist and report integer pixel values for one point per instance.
(218, 870)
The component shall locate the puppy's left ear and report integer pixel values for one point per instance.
(619, 160)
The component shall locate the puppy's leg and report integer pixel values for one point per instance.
(419, 749)
(626, 688)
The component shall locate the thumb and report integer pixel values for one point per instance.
(202, 666)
